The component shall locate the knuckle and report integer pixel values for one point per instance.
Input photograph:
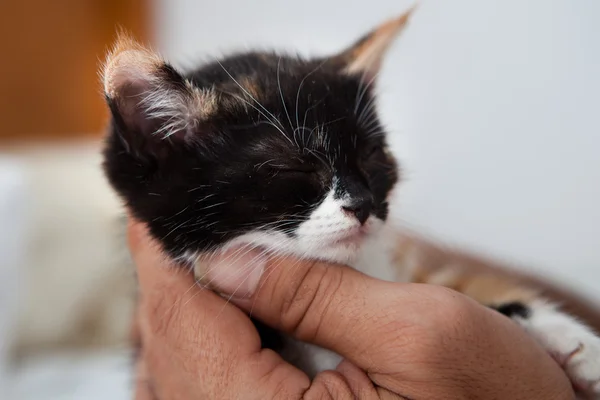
(304, 308)
(329, 385)
(447, 321)
(455, 315)
(456, 307)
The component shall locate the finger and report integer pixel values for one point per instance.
(339, 308)
(234, 271)
(211, 343)
(195, 342)
(143, 385)
(401, 335)
(173, 305)
(357, 379)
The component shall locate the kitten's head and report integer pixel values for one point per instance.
(279, 151)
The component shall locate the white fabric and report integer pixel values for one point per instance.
(74, 376)
(12, 249)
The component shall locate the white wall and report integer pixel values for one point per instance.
(494, 107)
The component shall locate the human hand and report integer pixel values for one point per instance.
(398, 340)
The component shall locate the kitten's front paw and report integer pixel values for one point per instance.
(581, 362)
(574, 346)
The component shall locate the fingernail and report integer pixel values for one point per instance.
(236, 272)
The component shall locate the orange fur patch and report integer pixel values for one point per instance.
(128, 58)
(425, 264)
(367, 55)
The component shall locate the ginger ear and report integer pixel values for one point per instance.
(147, 96)
(128, 63)
(365, 56)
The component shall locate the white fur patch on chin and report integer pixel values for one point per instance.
(327, 224)
(280, 243)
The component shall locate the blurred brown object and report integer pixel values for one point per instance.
(427, 258)
(49, 84)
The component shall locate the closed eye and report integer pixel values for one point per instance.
(292, 168)
(373, 151)
(296, 170)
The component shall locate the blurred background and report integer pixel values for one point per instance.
(492, 107)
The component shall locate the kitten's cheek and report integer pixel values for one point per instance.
(235, 272)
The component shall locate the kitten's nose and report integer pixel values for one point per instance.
(360, 208)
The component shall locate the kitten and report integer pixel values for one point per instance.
(271, 150)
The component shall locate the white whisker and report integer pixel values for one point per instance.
(252, 97)
(281, 93)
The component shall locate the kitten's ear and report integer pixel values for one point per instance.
(365, 56)
(149, 97)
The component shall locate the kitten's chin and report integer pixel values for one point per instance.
(344, 249)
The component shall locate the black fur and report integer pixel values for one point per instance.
(513, 309)
(238, 172)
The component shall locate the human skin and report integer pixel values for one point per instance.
(399, 341)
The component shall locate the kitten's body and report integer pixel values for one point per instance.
(273, 151)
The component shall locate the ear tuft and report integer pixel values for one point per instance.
(365, 57)
(128, 61)
(147, 96)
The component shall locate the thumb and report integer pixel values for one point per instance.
(330, 305)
